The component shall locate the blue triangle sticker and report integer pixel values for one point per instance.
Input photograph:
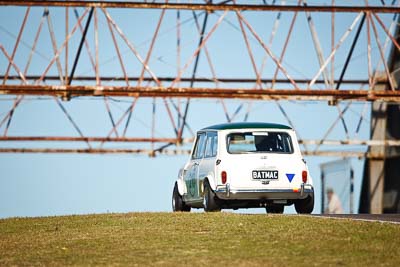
(290, 176)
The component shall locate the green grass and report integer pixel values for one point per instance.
(217, 239)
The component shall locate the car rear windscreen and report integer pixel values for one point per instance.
(259, 142)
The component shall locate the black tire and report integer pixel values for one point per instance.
(275, 208)
(305, 206)
(177, 202)
(210, 199)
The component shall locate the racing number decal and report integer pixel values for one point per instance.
(192, 181)
(192, 187)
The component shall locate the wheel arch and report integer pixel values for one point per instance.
(181, 186)
(211, 181)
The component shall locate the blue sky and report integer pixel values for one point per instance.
(47, 184)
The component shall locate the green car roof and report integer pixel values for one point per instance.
(246, 125)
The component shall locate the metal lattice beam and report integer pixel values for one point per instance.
(251, 81)
(173, 152)
(233, 93)
(207, 7)
(185, 140)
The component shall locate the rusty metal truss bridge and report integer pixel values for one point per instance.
(171, 55)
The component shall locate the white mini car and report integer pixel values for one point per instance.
(245, 165)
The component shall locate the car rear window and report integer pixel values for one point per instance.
(259, 142)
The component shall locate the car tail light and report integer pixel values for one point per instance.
(304, 176)
(224, 177)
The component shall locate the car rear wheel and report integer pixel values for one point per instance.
(275, 208)
(210, 199)
(177, 202)
(305, 206)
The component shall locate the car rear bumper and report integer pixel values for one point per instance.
(227, 193)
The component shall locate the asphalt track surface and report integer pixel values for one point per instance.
(387, 218)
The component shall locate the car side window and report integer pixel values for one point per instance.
(214, 145)
(211, 146)
(199, 147)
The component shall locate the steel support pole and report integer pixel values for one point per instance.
(351, 190)
(322, 192)
(377, 166)
(203, 29)
(349, 55)
(78, 53)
